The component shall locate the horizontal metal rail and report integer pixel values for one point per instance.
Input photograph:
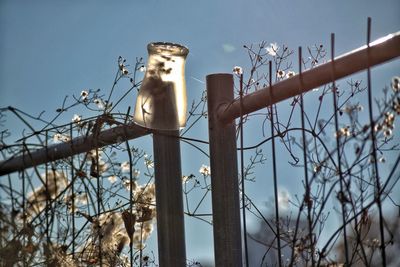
(379, 51)
(75, 146)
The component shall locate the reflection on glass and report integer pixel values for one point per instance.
(161, 102)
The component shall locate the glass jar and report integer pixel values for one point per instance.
(161, 102)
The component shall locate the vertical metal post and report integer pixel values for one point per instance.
(169, 199)
(224, 174)
(24, 212)
(72, 189)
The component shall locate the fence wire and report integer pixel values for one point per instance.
(88, 209)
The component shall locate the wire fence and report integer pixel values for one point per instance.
(79, 201)
(342, 171)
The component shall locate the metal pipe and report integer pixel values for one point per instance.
(224, 175)
(169, 199)
(381, 50)
(75, 146)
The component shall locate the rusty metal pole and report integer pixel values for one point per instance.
(379, 51)
(169, 199)
(75, 146)
(224, 174)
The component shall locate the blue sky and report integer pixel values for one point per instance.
(52, 48)
(49, 49)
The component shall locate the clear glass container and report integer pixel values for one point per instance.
(161, 102)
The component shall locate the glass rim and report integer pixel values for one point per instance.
(170, 48)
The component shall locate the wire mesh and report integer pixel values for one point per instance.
(53, 214)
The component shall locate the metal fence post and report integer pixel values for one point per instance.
(169, 199)
(224, 174)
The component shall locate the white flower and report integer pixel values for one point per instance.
(148, 162)
(205, 170)
(387, 132)
(142, 68)
(99, 103)
(317, 168)
(76, 118)
(272, 49)
(84, 94)
(60, 138)
(136, 173)
(389, 118)
(123, 69)
(112, 179)
(125, 166)
(185, 178)
(345, 131)
(378, 127)
(290, 74)
(57, 138)
(237, 70)
(281, 73)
